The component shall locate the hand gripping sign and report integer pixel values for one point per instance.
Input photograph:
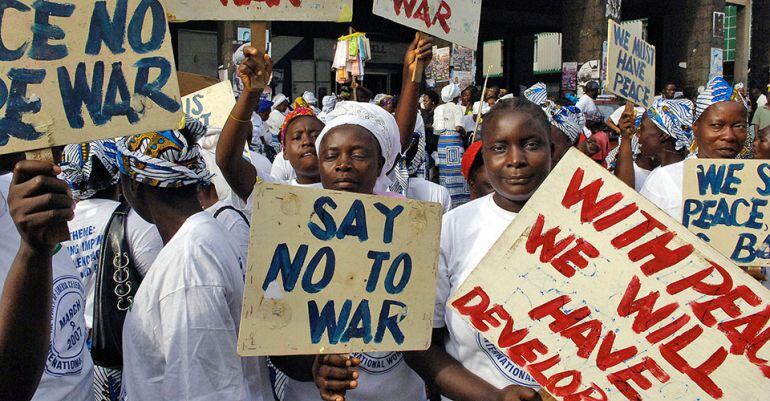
(80, 71)
(726, 204)
(599, 295)
(336, 272)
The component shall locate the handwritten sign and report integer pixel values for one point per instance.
(261, 10)
(456, 21)
(211, 106)
(80, 71)
(335, 272)
(726, 204)
(599, 295)
(630, 66)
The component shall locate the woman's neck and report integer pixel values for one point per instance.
(308, 179)
(169, 216)
(671, 156)
(507, 204)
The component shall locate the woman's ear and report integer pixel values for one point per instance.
(380, 165)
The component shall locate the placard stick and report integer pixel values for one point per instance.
(259, 42)
(60, 231)
(545, 396)
(481, 104)
(353, 83)
(419, 65)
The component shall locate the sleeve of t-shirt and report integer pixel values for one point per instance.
(654, 190)
(236, 224)
(581, 104)
(458, 116)
(442, 283)
(199, 343)
(144, 240)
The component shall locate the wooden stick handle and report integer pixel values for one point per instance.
(258, 36)
(419, 66)
(545, 395)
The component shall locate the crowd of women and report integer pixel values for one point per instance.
(171, 210)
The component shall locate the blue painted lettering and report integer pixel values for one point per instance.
(307, 279)
(43, 31)
(330, 227)
(135, 27)
(390, 217)
(18, 104)
(110, 31)
(7, 54)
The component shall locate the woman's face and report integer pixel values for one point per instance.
(762, 144)
(561, 144)
(299, 147)
(351, 160)
(427, 102)
(649, 138)
(466, 96)
(592, 147)
(517, 155)
(669, 91)
(721, 131)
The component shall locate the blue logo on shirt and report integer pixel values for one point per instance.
(379, 364)
(68, 338)
(504, 365)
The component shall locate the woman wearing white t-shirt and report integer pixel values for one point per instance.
(517, 153)
(720, 131)
(40, 358)
(180, 336)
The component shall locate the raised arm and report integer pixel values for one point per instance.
(238, 172)
(624, 168)
(37, 201)
(421, 49)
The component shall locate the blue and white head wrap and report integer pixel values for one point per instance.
(569, 119)
(537, 94)
(165, 159)
(78, 167)
(717, 90)
(675, 118)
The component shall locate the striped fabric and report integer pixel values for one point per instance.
(450, 155)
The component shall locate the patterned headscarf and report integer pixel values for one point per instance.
(537, 94)
(569, 119)
(297, 112)
(674, 117)
(717, 91)
(612, 158)
(165, 159)
(78, 166)
(379, 123)
(299, 103)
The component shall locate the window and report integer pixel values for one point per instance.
(731, 28)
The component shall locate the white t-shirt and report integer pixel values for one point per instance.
(260, 162)
(446, 117)
(587, 105)
(761, 101)
(235, 221)
(640, 177)
(68, 373)
(281, 169)
(87, 231)
(467, 234)
(180, 337)
(664, 188)
(615, 116)
(424, 190)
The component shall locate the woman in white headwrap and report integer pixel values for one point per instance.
(448, 125)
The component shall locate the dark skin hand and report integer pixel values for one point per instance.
(721, 131)
(421, 49)
(37, 201)
(335, 375)
(238, 172)
(624, 169)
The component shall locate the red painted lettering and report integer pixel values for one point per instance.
(524, 353)
(696, 282)
(407, 5)
(662, 257)
(615, 217)
(621, 378)
(443, 15)
(573, 257)
(476, 312)
(588, 394)
(560, 320)
(547, 241)
(423, 13)
(629, 237)
(607, 358)
(591, 209)
(700, 374)
(741, 339)
(667, 330)
(570, 387)
(754, 348)
(643, 307)
(726, 303)
(585, 336)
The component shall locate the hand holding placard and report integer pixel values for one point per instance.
(255, 70)
(418, 55)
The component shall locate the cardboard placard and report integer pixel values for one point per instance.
(260, 10)
(337, 272)
(456, 21)
(726, 204)
(81, 71)
(630, 66)
(595, 291)
(211, 106)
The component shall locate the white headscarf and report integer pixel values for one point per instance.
(310, 98)
(278, 99)
(374, 119)
(450, 92)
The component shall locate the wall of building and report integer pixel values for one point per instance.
(760, 44)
